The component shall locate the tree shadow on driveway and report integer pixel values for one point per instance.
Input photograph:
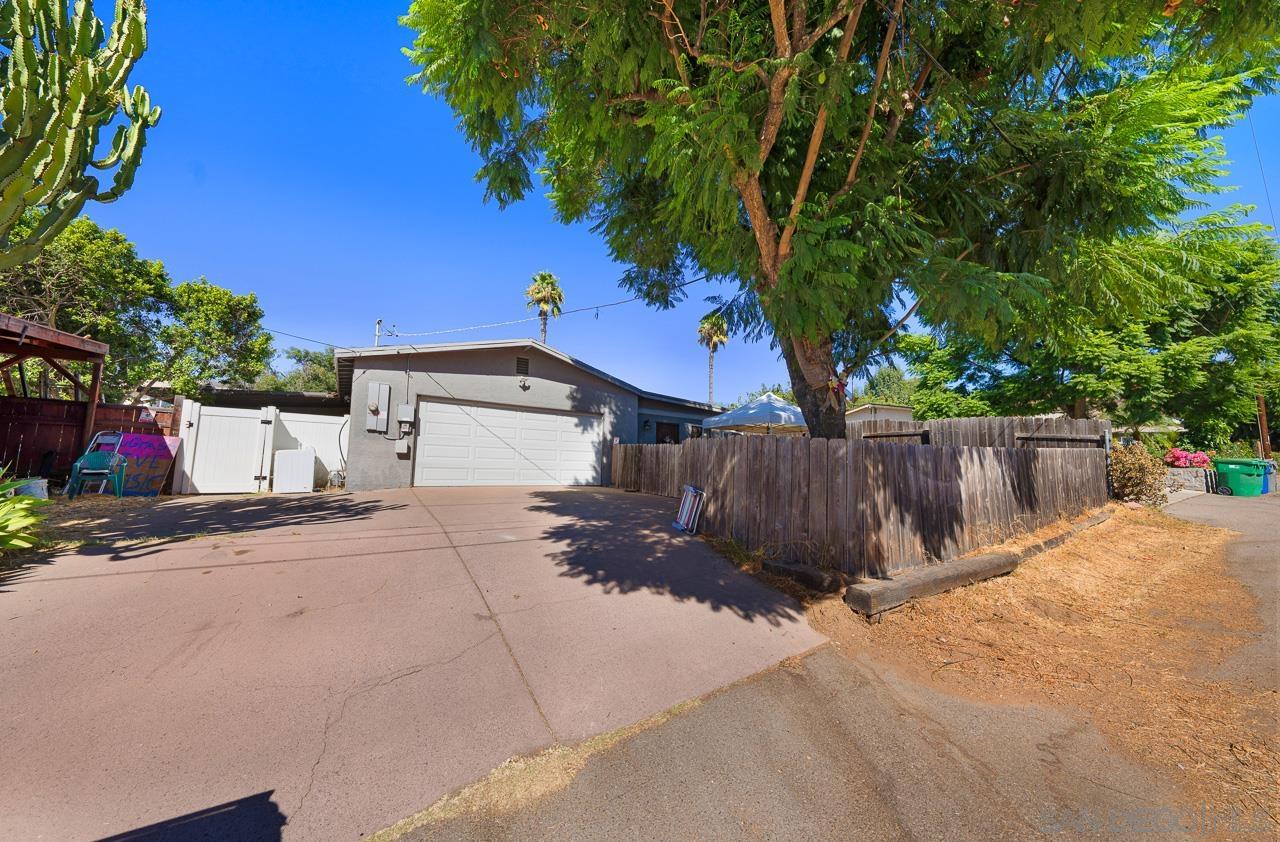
(624, 543)
(128, 529)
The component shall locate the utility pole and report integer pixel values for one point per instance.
(377, 333)
(1264, 432)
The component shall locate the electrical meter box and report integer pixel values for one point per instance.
(379, 407)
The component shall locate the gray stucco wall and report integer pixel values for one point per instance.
(480, 376)
(653, 411)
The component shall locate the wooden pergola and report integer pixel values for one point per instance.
(24, 340)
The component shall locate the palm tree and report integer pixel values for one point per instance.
(712, 333)
(545, 294)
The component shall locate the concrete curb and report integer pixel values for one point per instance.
(879, 595)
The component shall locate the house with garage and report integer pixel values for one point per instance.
(504, 412)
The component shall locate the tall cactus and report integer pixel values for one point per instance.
(62, 80)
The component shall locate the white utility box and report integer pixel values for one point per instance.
(298, 471)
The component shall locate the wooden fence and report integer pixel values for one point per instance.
(989, 432)
(42, 437)
(865, 508)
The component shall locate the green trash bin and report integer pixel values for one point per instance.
(1240, 477)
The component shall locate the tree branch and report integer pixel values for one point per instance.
(895, 122)
(841, 10)
(669, 22)
(762, 226)
(778, 17)
(799, 13)
(881, 64)
(773, 111)
(911, 311)
(815, 137)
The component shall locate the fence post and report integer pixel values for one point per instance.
(188, 434)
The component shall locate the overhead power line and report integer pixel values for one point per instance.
(393, 332)
(1257, 150)
(308, 339)
(594, 307)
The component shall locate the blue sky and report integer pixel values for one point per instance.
(293, 161)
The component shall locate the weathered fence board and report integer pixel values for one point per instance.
(1026, 432)
(866, 508)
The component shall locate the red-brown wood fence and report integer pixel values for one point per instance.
(42, 437)
(867, 508)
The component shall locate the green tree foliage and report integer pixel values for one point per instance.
(214, 336)
(91, 282)
(887, 384)
(1202, 358)
(987, 161)
(778, 389)
(940, 391)
(712, 334)
(63, 79)
(545, 295)
(311, 371)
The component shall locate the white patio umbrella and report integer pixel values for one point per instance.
(768, 414)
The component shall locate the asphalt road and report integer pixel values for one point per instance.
(321, 666)
(1254, 559)
(833, 748)
(838, 748)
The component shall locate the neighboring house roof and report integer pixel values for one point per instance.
(344, 362)
(874, 404)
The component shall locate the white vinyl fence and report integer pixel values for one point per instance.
(232, 451)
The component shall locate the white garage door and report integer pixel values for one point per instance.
(466, 444)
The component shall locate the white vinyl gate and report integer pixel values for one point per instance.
(224, 450)
(232, 451)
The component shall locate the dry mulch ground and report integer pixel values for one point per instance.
(70, 524)
(1123, 622)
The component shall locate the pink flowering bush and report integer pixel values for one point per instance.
(1179, 458)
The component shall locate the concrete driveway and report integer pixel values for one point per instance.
(319, 667)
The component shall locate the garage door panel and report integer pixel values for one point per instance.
(493, 476)
(495, 451)
(442, 472)
(443, 429)
(447, 451)
(541, 455)
(462, 444)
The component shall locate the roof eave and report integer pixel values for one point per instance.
(340, 354)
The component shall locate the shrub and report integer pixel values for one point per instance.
(1179, 458)
(1137, 476)
(1159, 443)
(1236, 450)
(18, 516)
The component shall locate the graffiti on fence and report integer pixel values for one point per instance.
(149, 459)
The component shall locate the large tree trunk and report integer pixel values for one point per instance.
(544, 328)
(811, 367)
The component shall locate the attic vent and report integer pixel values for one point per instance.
(522, 366)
